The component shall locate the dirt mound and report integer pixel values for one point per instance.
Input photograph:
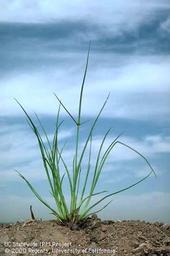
(95, 237)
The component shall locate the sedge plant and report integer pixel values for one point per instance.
(82, 203)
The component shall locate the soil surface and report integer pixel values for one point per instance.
(95, 237)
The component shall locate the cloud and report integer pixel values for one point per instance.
(35, 63)
(121, 79)
(118, 16)
(165, 26)
(19, 151)
(149, 146)
(121, 208)
(14, 143)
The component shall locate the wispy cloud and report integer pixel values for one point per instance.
(122, 80)
(19, 151)
(165, 25)
(116, 14)
(149, 146)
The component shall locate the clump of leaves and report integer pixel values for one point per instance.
(81, 205)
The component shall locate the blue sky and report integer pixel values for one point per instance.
(43, 50)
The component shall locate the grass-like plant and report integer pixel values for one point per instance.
(81, 204)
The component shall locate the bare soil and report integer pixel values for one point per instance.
(95, 237)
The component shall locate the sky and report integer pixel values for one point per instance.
(43, 50)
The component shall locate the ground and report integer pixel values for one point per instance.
(95, 237)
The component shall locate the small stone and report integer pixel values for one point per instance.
(104, 228)
(166, 226)
(142, 237)
(167, 242)
(108, 222)
(93, 245)
(136, 244)
(102, 236)
(94, 216)
(8, 225)
(28, 222)
(142, 248)
(4, 238)
(74, 226)
(96, 224)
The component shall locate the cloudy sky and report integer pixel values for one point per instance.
(43, 49)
